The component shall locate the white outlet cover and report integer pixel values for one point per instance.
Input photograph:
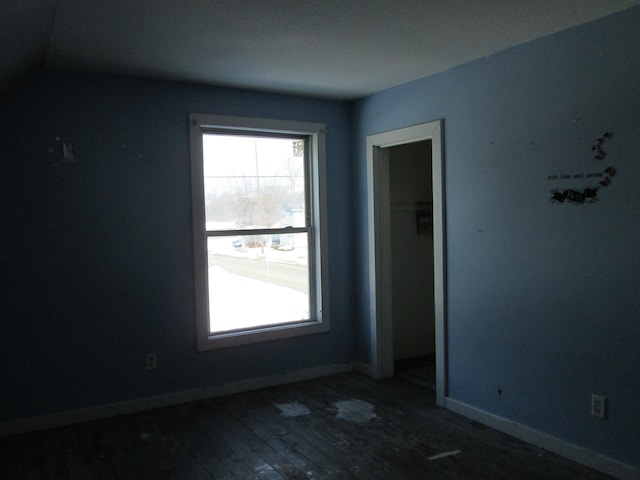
(152, 361)
(598, 406)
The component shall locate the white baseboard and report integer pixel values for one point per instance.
(122, 408)
(552, 444)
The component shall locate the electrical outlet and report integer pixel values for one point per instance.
(598, 405)
(152, 361)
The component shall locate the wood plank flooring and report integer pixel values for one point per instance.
(296, 432)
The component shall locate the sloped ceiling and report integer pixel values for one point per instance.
(25, 28)
(339, 49)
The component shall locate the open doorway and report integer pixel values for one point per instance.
(411, 235)
(406, 211)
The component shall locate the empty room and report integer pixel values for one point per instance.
(322, 239)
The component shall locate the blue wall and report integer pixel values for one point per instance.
(543, 299)
(96, 256)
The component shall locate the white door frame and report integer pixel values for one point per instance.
(381, 327)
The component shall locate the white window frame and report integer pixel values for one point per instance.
(200, 124)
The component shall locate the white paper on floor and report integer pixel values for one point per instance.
(293, 409)
(355, 410)
(444, 454)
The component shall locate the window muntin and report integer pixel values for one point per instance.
(257, 195)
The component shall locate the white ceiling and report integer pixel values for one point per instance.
(339, 49)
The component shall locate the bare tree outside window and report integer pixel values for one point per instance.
(255, 193)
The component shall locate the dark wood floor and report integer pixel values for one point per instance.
(420, 370)
(292, 432)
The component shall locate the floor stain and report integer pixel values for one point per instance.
(355, 411)
(293, 409)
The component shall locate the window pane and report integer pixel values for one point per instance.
(253, 182)
(257, 280)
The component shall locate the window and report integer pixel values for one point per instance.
(258, 197)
